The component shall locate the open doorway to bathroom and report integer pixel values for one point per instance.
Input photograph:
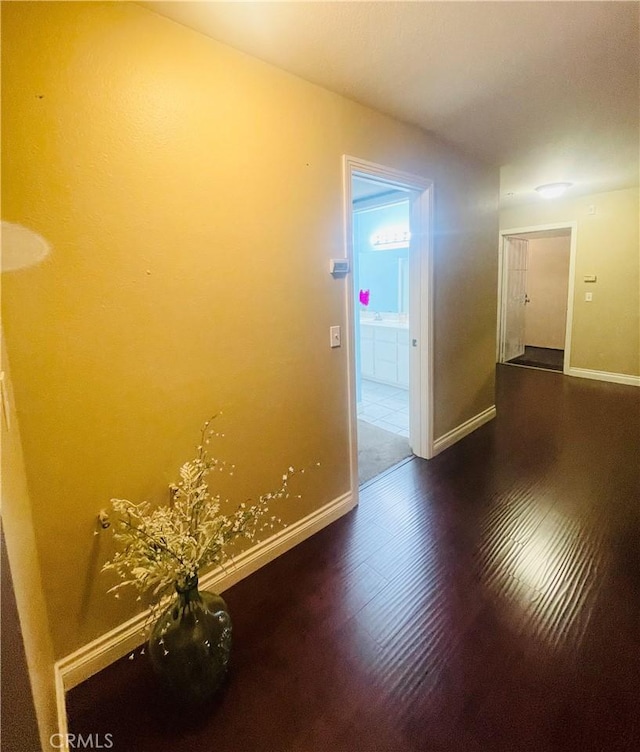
(536, 297)
(388, 244)
(381, 290)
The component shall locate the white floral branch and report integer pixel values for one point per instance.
(167, 546)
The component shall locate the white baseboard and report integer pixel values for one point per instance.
(61, 710)
(464, 429)
(616, 378)
(97, 655)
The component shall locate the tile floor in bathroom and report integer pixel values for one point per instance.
(385, 406)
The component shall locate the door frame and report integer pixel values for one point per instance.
(503, 281)
(420, 303)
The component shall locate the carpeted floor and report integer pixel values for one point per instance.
(540, 357)
(378, 450)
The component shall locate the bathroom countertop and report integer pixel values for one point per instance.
(385, 323)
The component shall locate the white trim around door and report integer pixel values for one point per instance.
(503, 279)
(421, 303)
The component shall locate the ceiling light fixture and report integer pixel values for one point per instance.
(552, 190)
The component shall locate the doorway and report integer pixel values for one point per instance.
(536, 297)
(381, 238)
(387, 233)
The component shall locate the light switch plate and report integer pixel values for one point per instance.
(335, 336)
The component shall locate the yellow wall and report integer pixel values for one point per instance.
(606, 331)
(192, 196)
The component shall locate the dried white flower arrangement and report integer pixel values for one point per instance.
(166, 546)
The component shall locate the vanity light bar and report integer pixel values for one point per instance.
(389, 239)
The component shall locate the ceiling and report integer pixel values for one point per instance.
(549, 91)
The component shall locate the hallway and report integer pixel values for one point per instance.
(485, 601)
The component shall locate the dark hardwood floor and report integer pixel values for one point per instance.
(487, 600)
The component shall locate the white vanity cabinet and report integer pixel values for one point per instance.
(384, 352)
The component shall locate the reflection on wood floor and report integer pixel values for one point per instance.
(485, 601)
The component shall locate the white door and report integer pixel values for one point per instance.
(516, 257)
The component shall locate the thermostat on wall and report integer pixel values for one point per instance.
(339, 267)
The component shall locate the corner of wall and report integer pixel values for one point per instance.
(25, 568)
